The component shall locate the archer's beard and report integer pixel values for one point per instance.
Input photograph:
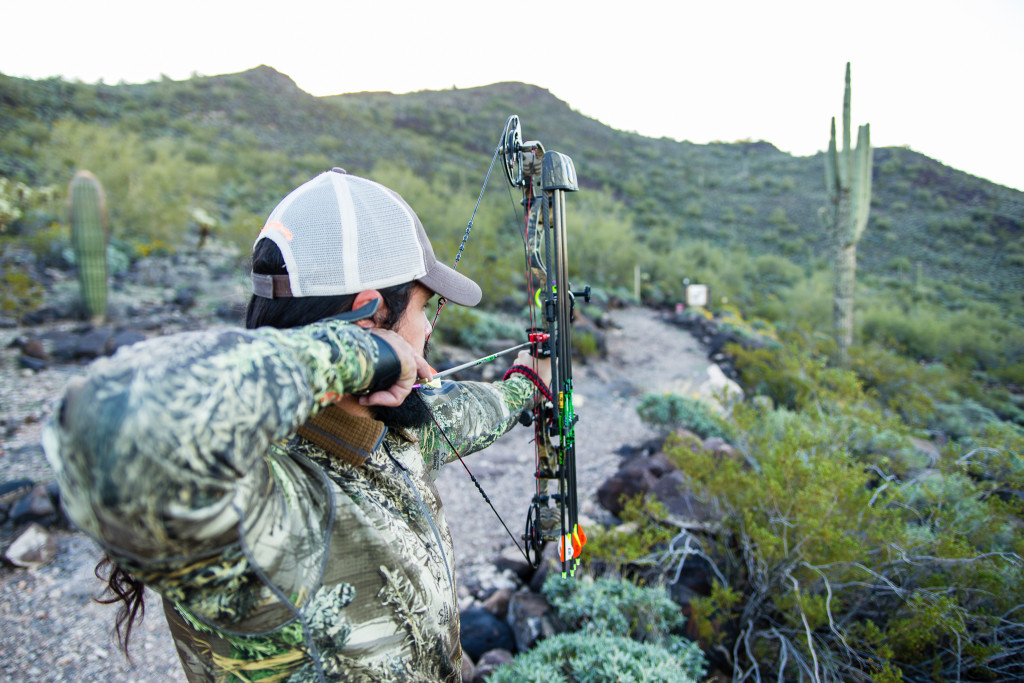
(411, 414)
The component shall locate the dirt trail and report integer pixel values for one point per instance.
(53, 631)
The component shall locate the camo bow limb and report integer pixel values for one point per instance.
(544, 179)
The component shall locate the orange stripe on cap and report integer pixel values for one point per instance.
(274, 225)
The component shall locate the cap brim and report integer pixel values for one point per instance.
(452, 285)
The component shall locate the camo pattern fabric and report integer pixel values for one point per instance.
(276, 561)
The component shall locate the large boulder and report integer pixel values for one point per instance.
(481, 631)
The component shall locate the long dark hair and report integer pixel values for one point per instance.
(121, 586)
(125, 589)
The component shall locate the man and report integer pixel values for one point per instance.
(275, 485)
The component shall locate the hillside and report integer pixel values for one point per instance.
(257, 134)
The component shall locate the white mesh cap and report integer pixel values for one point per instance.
(342, 234)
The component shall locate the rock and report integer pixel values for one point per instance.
(93, 343)
(673, 493)
(532, 619)
(468, 670)
(718, 391)
(231, 313)
(687, 438)
(648, 447)
(123, 338)
(541, 575)
(489, 662)
(481, 631)
(33, 348)
(10, 493)
(185, 297)
(36, 506)
(31, 363)
(616, 489)
(721, 448)
(655, 465)
(33, 548)
(510, 559)
(497, 604)
(62, 345)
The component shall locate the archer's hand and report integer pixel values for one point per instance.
(543, 365)
(413, 365)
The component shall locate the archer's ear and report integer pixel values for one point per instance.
(364, 297)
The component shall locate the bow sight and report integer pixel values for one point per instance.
(544, 178)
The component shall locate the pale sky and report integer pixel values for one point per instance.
(945, 77)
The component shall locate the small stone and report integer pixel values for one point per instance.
(497, 604)
(490, 661)
(33, 548)
(531, 618)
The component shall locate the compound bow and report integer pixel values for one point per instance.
(544, 178)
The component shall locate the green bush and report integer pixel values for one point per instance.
(474, 329)
(644, 528)
(584, 658)
(672, 411)
(958, 420)
(20, 293)
(910, 390)
(838, 570)
(623, 632)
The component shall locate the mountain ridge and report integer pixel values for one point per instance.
(926, 215)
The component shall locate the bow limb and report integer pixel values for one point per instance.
(544, 179)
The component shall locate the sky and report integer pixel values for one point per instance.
(943, 77)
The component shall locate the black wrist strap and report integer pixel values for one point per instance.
(387, 370)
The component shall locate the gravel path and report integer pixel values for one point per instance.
(53, 631)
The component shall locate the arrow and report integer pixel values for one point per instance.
(478, 361)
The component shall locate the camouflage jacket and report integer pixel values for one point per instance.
(287, 538)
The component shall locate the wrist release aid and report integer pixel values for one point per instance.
(387, 370)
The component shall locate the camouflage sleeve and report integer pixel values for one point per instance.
(163, 450)
(472, 415)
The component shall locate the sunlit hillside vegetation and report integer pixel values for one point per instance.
(941, 265)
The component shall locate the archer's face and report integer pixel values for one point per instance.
(414, 326)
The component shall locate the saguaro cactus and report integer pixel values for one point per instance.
(87, 209)
(848, 181)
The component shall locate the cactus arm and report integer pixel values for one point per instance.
(862, 193)
(847, 156)
(832, 165)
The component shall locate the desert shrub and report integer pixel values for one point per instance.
(909, 389)
(615, 606)
(585, 345)
(836, 570)
(48, 244)
(19, 293)
(623, 632)
(961, 419)
(618, 549)
(794, 375)
(672, 411)
(583, 658)
(474, 329)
